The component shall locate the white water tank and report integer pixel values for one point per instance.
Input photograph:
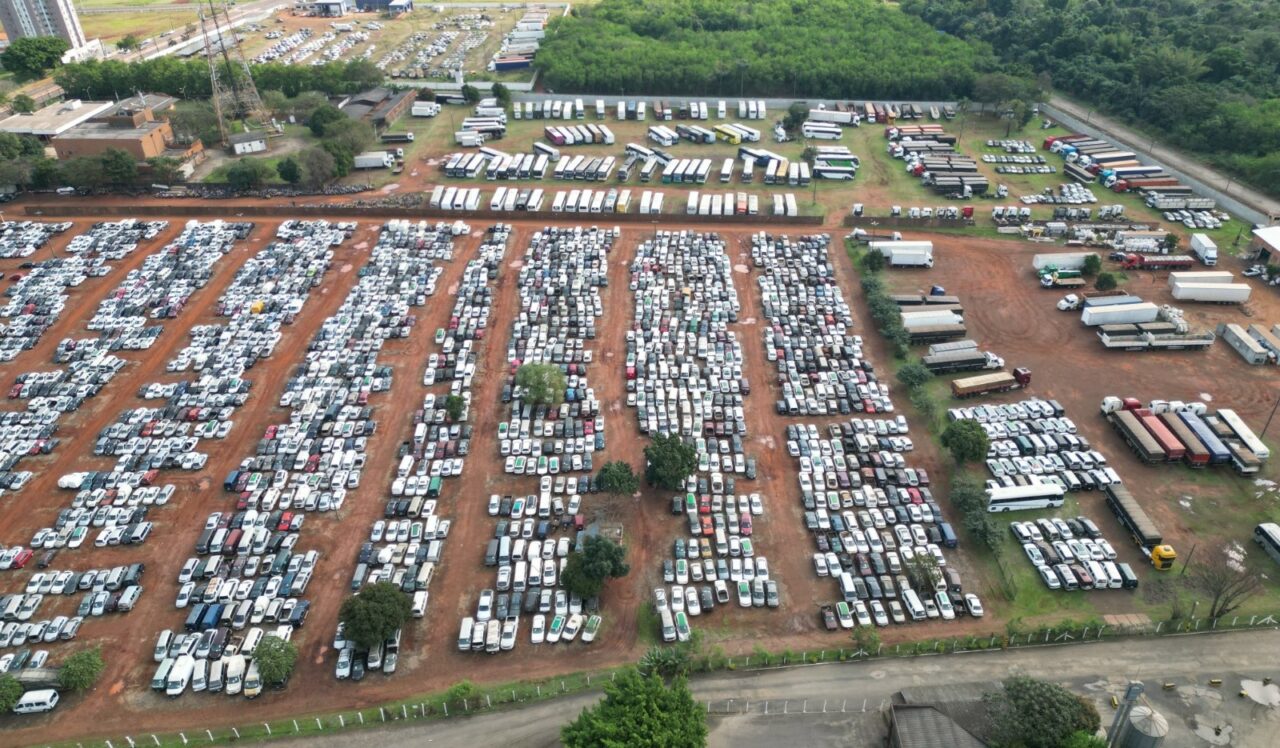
(1145, 728)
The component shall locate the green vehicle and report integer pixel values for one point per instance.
(593, 626)
(433, 488)
(682, 626)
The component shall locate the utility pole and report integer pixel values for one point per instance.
(1187, 561)
(1273, 415)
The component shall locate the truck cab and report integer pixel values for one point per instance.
(1163, 556)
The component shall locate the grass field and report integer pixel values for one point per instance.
(110, 27)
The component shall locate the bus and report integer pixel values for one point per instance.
(1019, 498)
(1267, 535)
(728, 134)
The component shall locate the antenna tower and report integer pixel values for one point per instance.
(234, 94)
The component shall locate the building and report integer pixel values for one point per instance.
(130, 126)
(380, 107)
(48, 18)
(394, 7)
(326, 8)
(1266, 244)
(245, 143)
(923, 726)
(54, 119)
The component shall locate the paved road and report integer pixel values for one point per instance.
(1141, 142)
(1182, 660)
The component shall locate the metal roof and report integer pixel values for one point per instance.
(1270, 235)
(922, 726)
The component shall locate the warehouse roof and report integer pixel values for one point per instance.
(54, 119)
(105, 131)
(922, 726)
(1270, 236)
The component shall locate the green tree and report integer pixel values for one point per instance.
(343, 157)
(1092, 265)
(45, 174)
(10, 691)
(463, 689)
(22, 104)
(322, 117)
(502, 94)
(669, 461)
(914, 375)
(867, 639)
(82, 171)
(373, 615)
(119, 167)
(318, 167)
(470, 94)
(966, 440)
(618, 478)
(355, 135)
(289, 170)
(81, 670)
(127, 43)
(19, 146)
(1105, 281)
(1082, 739)
(165, 169)
(666, 662)
(1038, 714)
(276, 659)
(922, 570)
(601, 559)
(640, 712)
(29, 57)
(454, 405)
(541, 384)
(873, 261)
(248, 174)
(797, 113)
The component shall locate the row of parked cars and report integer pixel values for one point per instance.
(1033, 441)
(110, 590)
(214, 661)
(23, 238)
(820, 363)
(406, 545)
(1071, 554)
(685, 365)
(561, 276)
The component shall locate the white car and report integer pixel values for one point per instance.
(538, 632)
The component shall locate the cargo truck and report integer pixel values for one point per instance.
(375, 160)
(955, 345)
(1168, 443)
(1141, 529)
(905, 253)
(1203, 276)
(1244, 433)
(1218, 453)
(1140, 441)
(1213, 293)
(1196, 456)
(1120, 313)
(991, 383)
(1157, 262)
(1063, 279)
(935, 333)
(964, 360)
(1072, 301)
(1205, 249)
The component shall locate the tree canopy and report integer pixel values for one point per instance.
(543, 384)
(189, 79)
(248, 174)
(276, 659)
(966, 440)
(640, 712)
(30, 57)
(1038, 714)
(1205, 74)
(821, 48)
(10, 691)
(618, 478)
(81, 670)
(372, 616)
(669, 461)
(600, 559)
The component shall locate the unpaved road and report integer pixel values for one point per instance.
(1095, 670)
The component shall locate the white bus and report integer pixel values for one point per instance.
(1245, 433)
(1267, 535)
(1018, 498)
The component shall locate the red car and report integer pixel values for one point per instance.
(744, 523)
(285, 520)
(21, 559)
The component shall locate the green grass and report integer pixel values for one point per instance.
(648, 625)
(219, 174)
(143, 24)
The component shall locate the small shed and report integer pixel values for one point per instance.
(245, 143)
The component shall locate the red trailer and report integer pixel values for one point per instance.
(1173, 449)
(1197, 456)
(1158, 262)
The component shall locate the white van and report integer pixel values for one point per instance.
(464, 634)
(911, 602)
(35, 702)
(179, 676)
(419, 603)
(519, 576)
(406, 464)
(234, 674)
(668, 626)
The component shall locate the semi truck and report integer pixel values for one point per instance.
(952, 347)
(1139, 439)
(375, 160)
(935, 333)
(905, 253)
(1212, 293)
(990, 383)
(964, 360)
(1168, 443)
(1196, 456)
(1142, 530)
(1061, 260)
(1072, 301)
(1157, 262)
(1218, 452)
(1063, 279)
(1205, 249)
(1120, 313)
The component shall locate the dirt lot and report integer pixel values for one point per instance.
(1007, 313)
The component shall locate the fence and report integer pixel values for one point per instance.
(906, 222)
(72, 210)
(441, 707)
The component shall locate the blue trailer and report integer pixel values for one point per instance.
(1218, 452)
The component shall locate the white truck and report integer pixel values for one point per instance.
(1204, 248)
(1200, 276)
(1117, 314)
(906, 254)
(1214, 293)
(375, 160)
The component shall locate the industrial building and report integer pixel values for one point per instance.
(1266, 244)
(54, 119)
(131, 126)
(245, 143)
(394, 7)
(380, 107)
(326, 8)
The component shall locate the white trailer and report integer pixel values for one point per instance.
(1120, 314)
(1200, 276)
(906, 253)
(1204, 248)
(1214, 293)
(930, 318)
(375, 160)
(832, 116)
(691, 206)
(424, 109)
(1245, 433)
(790, 198)
(1061, 260)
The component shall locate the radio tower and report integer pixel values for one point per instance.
(234, 94)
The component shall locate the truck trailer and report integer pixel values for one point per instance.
(990, 383)
(1205, 249)
(1213, 293)
(963, 360)
(1136, 436)
(1061, 260)
(375, 160)
(1120, 313)
(1141, 529)
(1157, 262)
(906, 254)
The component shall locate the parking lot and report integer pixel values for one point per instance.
(1004, 309)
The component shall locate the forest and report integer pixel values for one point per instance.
(189, 79)
(1205, 74)
(819, 48)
